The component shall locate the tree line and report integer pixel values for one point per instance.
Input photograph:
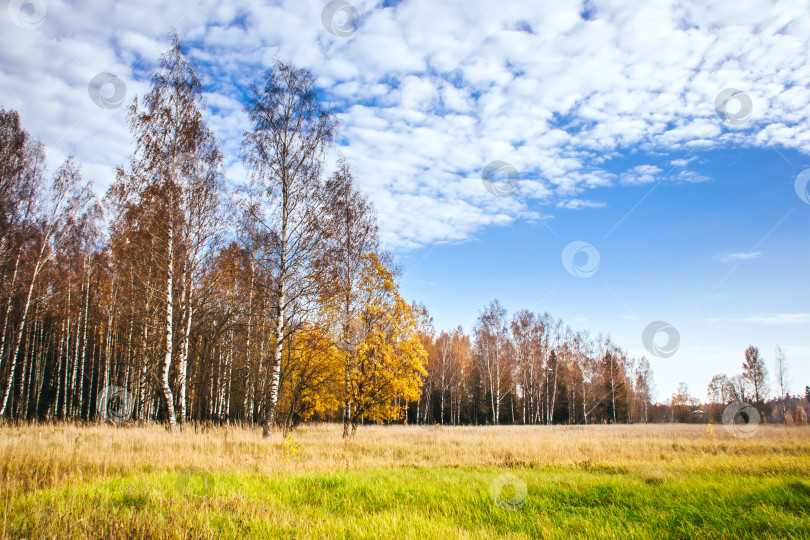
(176, 297)
(751, 386)
(529, 368)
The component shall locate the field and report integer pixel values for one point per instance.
(653, 481)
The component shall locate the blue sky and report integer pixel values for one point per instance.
(607, 111)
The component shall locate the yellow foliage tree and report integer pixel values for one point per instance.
(311, 376)
(386, 368)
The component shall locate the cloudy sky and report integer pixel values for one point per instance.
(616, 163)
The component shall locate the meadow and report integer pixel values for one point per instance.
(605, 481)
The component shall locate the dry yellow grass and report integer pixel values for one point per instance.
(40, 456)
(646, 481)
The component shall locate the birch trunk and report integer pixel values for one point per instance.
(142, 382)
(168, 398)
(13, 359)
(275, 369)
(441, 406)
(32, 351)
(347, 404)
(76, 360)
(8, 309)
(613, 393)
(248, 401)
(498, 391)
(188, 277)
(553, 396)
(21, 402)
(84, 345)
(64, 406)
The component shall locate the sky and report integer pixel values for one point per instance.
(635, 168)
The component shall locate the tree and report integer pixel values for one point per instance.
(200, 185)
(172, 191)
(311, 376)
(586, 368)
(527, 334)
(755, 372)
(443, 362)
(613, 380)
(741, 388)
(284, 152)
(780, 371)
(21, 177)
(461, 353)
(492, 347)
(683, 404)
(801, 416)
(644, 387)
(350, 225)
(721, 392)
(426, 333)
(68, 198)
(22, 163)
(391, 358)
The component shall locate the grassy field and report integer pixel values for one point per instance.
(678, 481)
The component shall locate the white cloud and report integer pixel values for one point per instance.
(641, 174)
(682, 162)
(431, 92)
(740, 256)
(778, 319)
(579, 204)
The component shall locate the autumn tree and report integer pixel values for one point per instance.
(461, 354)
(683, 404)
(284, 152)
(586, 368)
(721, 393)
(391, 358)
(22, 162)
(444, 367)
(755, 372)
(552, 372)
(613, 382)
(67, 198)
(349, 225)
(21, 190)
(644, 385)
(172, 194)
(527, 335)
(311, 375)
(780, 371)
(427, 333)
(493, 350)
(741, 388)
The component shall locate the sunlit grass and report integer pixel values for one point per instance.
(405, 482)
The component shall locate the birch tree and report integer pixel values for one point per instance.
(755, 372)
(780, 371)
(21, 177)
(174, 177)
(284, 153)
(350, 226)
(491, 340)
(67, 197)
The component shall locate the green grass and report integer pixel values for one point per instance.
(407, 502)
